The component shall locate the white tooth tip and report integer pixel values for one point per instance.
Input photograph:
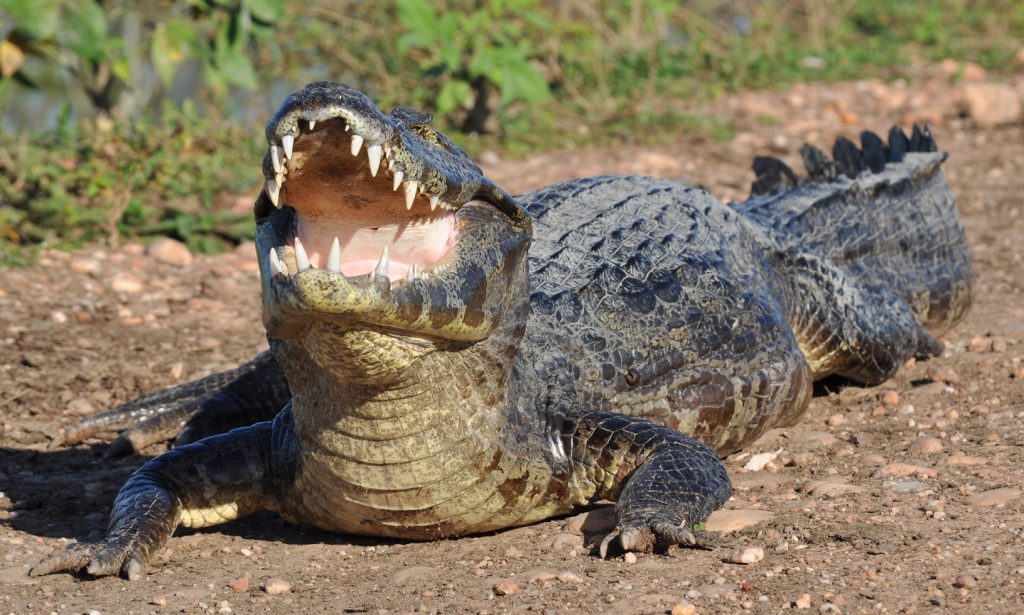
(275, 158)
(274, 192)
(288, 143)
(275, 264)
(357, 144)
(434, 200)
(374, 153)
(396, 181)
(334, 257)
(301, 259)
(410, 193)
(383, 264)
(312, 123)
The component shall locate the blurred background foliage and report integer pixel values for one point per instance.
(145, 117)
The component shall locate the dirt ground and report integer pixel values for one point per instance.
(904, 498)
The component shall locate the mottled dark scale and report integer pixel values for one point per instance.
(644, 308)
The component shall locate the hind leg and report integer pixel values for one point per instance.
(846, 327)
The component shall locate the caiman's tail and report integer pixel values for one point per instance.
(882, 212)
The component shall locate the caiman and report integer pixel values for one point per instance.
(447, 359)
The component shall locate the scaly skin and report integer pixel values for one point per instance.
(553, 357)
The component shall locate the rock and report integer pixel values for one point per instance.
(959, 459)
(275, 585)
(569, 577)
(904, 469)
(83, 264)
(907, 485)
(830, 488)
(803, 602)
(683, 608)
(413, 573)
(240, 584)
(507, 587)
(836, 420)
(539, 576)
(890, 398)
(943, 374)
(759, 461)
(597, 521)
(58, 317)
(80, 407)
(995, 497)
(629, 558)
(735, 520)
(159, 601)
(925, 445)
(990, 104)
(170, 251)
(745, 555)
(125, 283)
(965, 581)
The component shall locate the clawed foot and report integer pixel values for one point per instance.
(108, 557)
(654, 537)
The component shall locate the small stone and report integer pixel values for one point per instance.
(569, 577)
(836, 420)
(830, 488)
(245, 552)
(965, 581)
(959, 459)
(925, 445)
(170, 251)
(125, 283)
(995, 497)
(629, 558)
(907, 486)
(890, 398)
(159, 601)
(507, 587)
(945, 375)
(979, 344)
(240, 584)
(58, 317)
(80, 407)
(904, 469)
(224, 607)
(735, 520)
(539, 576)
(275, 585)
(759, 461)
(746, 555)
(683, 608)
(82, 264)
(803, 602)
(991, 104)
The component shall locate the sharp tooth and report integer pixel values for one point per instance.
(396, 181)
(275, 264)
(434, 200)
(279, 178)
(334, 257)
(391, 164)
(301, 260)
(312, 123)
(347, 128)
(410, 193)
(274, 192)
(275, 158)
(373, 153)
(288, 142)
(411, 274)
(357, 144)
(382, 265)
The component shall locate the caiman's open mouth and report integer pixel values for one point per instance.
(379, 219)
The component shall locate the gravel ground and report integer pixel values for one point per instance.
(905, 497)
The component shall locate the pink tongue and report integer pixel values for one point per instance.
(422, 244)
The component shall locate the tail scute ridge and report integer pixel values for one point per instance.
(847, 159)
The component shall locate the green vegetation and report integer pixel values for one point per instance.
(520, 75)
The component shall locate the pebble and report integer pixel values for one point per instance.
(683, 608)
(539, 576)
(944, 375)
(890, 398)
(995, 497)
(830, 488)
(82, 264)
(925, 445)
(735, 520)
(275, 585)
(904, 469)
(507, 587)
(759, 461)
(125, 283)
(907, 486)
(959, 459)
(159, 601)
(745, 555)
(170, 251)
(224, 607)
(965, 581)
(990, 104)
(803, 602)
(979, 344)
(80, 407)
(836, 420)
(240, 585)
(58, 317)
(629, 558)
(569, 577)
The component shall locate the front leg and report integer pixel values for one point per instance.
(206, 483)
(664, 482)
